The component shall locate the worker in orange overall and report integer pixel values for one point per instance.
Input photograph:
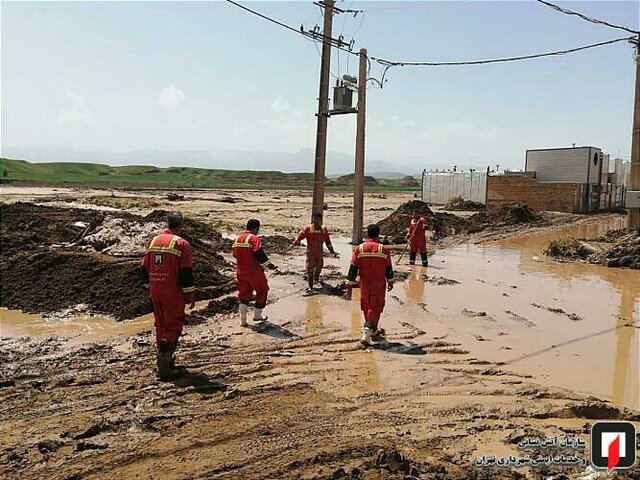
(316, 236)
(372, 261)
(251, 262)
(417, 239)
(167, 268)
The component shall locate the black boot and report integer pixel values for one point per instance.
(166, 363)
(425, 259)
(412, 258)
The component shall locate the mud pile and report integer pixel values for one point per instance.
(500, 215)
(394, 227)
(56, 258)
(277, 244)
(624, 251)
(570, 248)
(460, 204)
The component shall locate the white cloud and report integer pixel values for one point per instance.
(280, 105)
(76, 111)
(171, 98)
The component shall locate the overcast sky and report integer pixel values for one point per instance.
(168, 76)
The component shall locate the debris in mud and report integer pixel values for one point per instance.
(624, 251)
(471, 313)
(38, 278)
(440, 280)
(82, 446)
(339, 290)
(571, 316)
(229, 199)
(175, 197)
(459, 203)
(520, 319)
(393, 461)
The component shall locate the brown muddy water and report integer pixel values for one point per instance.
(499, 312)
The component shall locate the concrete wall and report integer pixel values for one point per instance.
(561, 197)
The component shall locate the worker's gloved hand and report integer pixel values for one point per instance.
(271, 266)
(389, 286)
(335, 254)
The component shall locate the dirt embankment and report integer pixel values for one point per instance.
(494, 218)
(617, 249)
(56, 258)
(460, 204)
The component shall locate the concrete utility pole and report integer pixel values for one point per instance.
(634, 184)
(358, 185)
(323, 110)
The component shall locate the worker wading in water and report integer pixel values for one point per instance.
(316, 236)
(251, 262)
(372, 262)
(417, 239)
(167, 268)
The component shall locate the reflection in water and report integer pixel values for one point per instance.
(313, 314)
(414, 286)
(366, 374)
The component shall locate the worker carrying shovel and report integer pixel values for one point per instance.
(417, 239)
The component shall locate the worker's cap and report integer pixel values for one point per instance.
(373, 231)
(174, 220)
(253, 223)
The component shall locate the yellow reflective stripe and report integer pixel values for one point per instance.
(371, 255)
(244, 243)
(153, 240)
(266, 264)
(361, 249)
(188, 289)
(173, 251)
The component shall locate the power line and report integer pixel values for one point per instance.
(584, 17)
(390, 63)
(284, 25)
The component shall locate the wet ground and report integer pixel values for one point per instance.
(489, 343)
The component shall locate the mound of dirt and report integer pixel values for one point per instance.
(460, 204)
(505, 214)
(51, 260)
(278, 244)
(213, 308)
(394, 227)
(570, 248)
(625, 252)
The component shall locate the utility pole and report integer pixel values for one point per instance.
(634, 184)
(358, 184)
(323, 109)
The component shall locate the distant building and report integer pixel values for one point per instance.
(575, 179)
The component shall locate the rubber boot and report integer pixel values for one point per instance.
(243, 314)
(412, 258)
(367, 333)
(425, 259)
(257, 315)
(165, 362)
(378, 335)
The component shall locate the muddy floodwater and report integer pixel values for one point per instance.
(568, 325)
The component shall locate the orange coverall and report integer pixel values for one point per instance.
(418, 242)
(168, 269)
(250, 264)
(373, 262)
(316, 238)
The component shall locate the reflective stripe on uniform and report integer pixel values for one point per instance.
(379, 254)
(170, 249)
(188, 289)
(244, 243)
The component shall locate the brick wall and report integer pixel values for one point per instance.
(559, 197)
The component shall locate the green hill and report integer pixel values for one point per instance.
(171, 177)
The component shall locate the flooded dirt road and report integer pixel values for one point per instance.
(490, 343)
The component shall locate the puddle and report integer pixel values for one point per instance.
(79, 329)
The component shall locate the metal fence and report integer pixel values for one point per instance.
(439, 188)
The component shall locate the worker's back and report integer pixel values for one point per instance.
(372, 260)
(163, 259)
